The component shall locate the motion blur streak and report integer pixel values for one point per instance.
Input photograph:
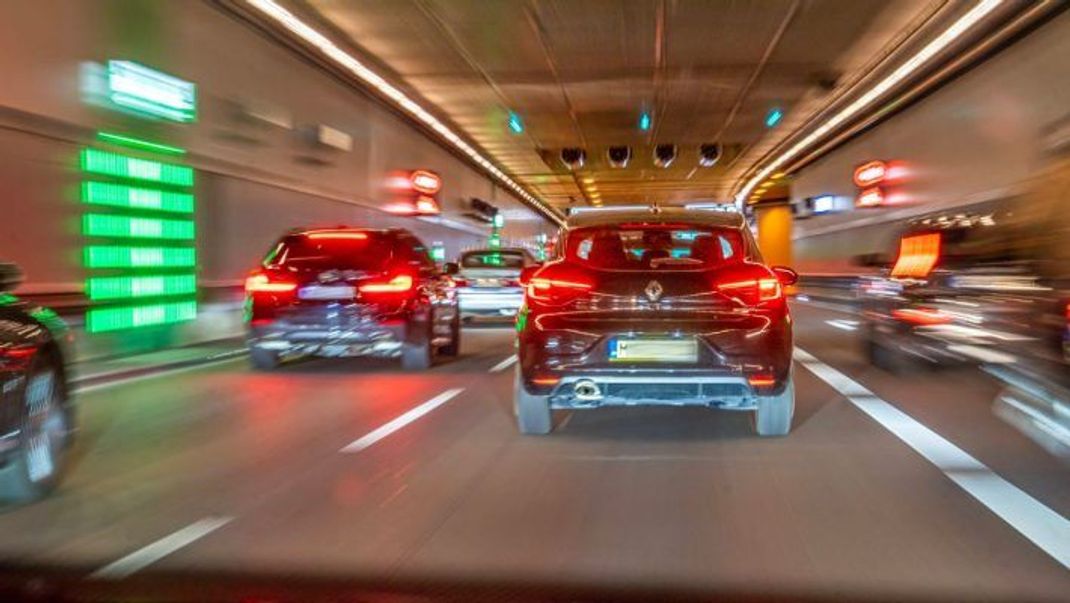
(1044, 527)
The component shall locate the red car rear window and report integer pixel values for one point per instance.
(654, 247)
(345, 250)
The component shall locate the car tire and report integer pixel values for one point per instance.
(533, 415)
(453, 348)
(264, 360)
(36, 465)
(417, 355)
(774, 413)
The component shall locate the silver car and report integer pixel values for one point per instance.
(488, 284)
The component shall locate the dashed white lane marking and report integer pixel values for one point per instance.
(1044, 527)
(401, 421)
(846, 325)
(504, 364)
(152, 553)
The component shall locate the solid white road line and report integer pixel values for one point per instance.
(152, 553)
(504, 364)
(401, 421)
(1044, 527)
(86, 389)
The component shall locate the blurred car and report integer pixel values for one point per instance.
(962, 291)
(37, 416)
(351, 292)
(488, 283)
(656, 306)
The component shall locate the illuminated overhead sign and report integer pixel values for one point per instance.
(824, 204)
(425, 182)
(870, 197)
(150, 92)
(871, 173)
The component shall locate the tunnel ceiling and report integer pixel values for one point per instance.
(579, 74)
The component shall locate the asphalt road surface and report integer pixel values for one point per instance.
(898, 486)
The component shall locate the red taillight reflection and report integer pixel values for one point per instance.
(917, 256)
(401, 283)
(261, 283)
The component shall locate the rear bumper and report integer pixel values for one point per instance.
(598, 388)
(380, 339)
(490, 302)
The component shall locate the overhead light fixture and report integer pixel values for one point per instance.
(773, 117)
(870, 173)
(645, 121)
(515, 123)
(618, 157)
(708, 154)
(573, 158)
(664, 154)
(934, 47)
(308, 34)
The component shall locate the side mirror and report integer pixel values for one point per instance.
(785, 275)
(10, 277)
(450, 268)
(527, 273)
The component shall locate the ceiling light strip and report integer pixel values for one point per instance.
(930, 50)
(308, 34)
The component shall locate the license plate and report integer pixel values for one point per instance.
(326, 292)
(653, 350)
(487, 282)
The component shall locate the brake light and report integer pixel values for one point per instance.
(262, 283)
(401, 283)
(922, 317)
(752, 290)
(356, 236)
(761, 380)
(460, 282)
(917, 256)
(18, 352)
(548, 288)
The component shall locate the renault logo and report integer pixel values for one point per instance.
(654, 290)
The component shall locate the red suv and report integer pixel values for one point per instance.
(656, 307)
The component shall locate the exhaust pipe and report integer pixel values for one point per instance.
(586, 390)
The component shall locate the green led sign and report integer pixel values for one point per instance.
(141, 145)
(101, 225)
(122, 287)
(121, 166)
(99, 320)
(116, 256)
(130, 197)
(136, 87)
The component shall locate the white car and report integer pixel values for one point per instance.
(488, 284)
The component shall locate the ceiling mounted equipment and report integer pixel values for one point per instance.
(573, 158)
(708, 154)
(664, 155)
(619, 156)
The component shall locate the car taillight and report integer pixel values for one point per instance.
(557, 289)
(752, 290)
(402, 283)
(460, 282)
(922, 317)
(258, 282)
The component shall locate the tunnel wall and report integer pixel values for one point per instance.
(979, 138)
(256, 176)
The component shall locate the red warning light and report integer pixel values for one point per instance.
(871, 173)
(425, 182)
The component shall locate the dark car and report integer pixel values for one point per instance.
(962, 290)
(36, 413)
(351, 292)
(656, 306)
